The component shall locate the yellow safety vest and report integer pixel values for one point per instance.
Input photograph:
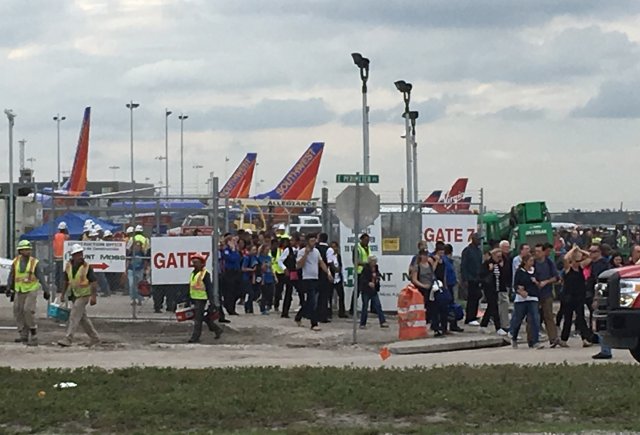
(143, 240)
(274, 262)
(25, 281)
(363, 257)
(80, 285)
(197, 290)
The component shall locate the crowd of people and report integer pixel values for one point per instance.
(535, 278)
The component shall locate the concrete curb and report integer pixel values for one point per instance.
(433, 345)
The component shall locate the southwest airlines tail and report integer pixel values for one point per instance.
(76, 184)
(240, 181)
(300, 181)
(432, 199)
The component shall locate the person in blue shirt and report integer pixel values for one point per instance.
(232, 275)
(135, 272)
(250, 279)
(269, 279)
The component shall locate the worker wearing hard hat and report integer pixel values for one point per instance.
(80, 285)
(281, 231)
(140, 237)
(25, 278)
(58, 251)
(201, 291)
(108, 236)
(128, 237)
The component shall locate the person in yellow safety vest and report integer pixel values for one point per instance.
(277, 246)
(360, 259)
(201, 291)
(81, 284)
(25, 278)
(139, 237)
(281, 231)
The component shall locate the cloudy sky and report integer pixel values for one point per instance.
(531, 99)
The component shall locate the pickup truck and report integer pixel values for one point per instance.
(5, 268)
(617, 314)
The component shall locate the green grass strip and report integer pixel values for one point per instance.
(324, 400)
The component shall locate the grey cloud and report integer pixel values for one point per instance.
(429, 111)
(436, 13)
(515, 113)
(266, 114)
(614, 100)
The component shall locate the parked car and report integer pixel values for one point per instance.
(5, 268)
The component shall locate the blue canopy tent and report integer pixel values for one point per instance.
(75, 225)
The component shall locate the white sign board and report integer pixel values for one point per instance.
(102, 256)
(454, 229)
(171, 258)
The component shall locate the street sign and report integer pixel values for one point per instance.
(357, 178)
(367, 212)
(102, 256)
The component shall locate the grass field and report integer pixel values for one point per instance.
(324, 400)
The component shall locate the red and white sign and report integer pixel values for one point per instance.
(171, 258)
(454, 229)
(102, 256)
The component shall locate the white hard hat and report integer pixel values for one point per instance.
(86, 228)
(93, 233)
(62, 226)
(97, 227)
(282, 227)
(108, 233)
(88, 222)
(76, 248)
(248, 231)
(139, 228)
(129, 230)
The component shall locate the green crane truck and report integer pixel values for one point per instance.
(528, 222)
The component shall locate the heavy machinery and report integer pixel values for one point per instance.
(528, 222)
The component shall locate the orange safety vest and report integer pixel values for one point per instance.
(411, 314)
(58, 245)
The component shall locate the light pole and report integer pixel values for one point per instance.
(413, 115)
(58, 119)
(363, 64)
(161, 158)
(197, 168)
(182, 117)
(114, 168)
(405, 88)
(11, 117)
(167, 113)
(131, 105)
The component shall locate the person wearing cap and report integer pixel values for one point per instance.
(470, 266)
(80, 284)
(58, 251)
(281, 231)
(25, 278)
(201, 291)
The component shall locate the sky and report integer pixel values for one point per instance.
(530, 99)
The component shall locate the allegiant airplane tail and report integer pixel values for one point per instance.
(76, 184)
(300, 181)
(240, 181)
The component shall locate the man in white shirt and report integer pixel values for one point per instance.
(310, 261)
(517, 260)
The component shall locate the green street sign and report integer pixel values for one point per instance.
(357, 178)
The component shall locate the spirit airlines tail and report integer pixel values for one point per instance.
(240, 181)
(453, 201)
(300, 181)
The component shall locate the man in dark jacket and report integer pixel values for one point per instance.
(494, 282)
(369, 285)
(470, 274)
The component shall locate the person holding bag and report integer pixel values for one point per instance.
(369, 288)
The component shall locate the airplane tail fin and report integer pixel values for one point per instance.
(457, 190)
(299, 182)
(77, 181)
(239, 183)
(432, 199)
(464, 205)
